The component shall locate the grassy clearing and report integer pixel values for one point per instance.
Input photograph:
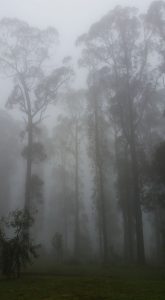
(113, 284)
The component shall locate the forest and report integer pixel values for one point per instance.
(82, 156)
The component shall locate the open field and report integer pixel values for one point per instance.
(112, 284)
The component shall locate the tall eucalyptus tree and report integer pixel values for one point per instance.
(119, 44)
(23, 52)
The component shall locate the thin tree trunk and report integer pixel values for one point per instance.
(101, 201)
(137, 204)
(29, 146)
(125, 200)
(28, 170)
(159, 235)
(65, 224)
(77, 213)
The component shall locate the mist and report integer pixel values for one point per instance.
(82, 131)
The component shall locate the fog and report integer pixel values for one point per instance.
(82, 131)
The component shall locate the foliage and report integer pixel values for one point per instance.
(18, 249)
(38, 152)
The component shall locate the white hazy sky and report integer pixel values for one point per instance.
(70, 17)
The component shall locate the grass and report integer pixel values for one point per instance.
(92, 284)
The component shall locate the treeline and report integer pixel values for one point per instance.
(95, 182)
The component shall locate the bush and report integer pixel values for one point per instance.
(18, 250)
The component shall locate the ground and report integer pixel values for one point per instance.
(107, 284)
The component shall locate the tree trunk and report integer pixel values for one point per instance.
(128, 235)
(136, 191)
(159, 232)
(77, 213)
(65, 224)
(134, 161)
(101, 201)
(29, 169)
(124, 193)
(29, 145)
